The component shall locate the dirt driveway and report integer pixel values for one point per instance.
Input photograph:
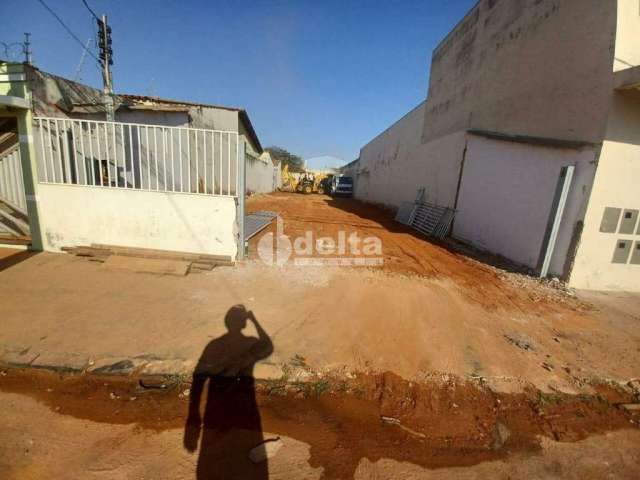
(408, 252)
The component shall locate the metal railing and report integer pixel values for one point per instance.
(11, 180)
(136, 156)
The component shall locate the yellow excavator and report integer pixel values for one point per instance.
(289, 181)
(305, 182)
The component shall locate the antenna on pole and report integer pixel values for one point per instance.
(106, 59)
(83, 56)
(27, 49)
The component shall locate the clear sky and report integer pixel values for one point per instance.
(317, 77)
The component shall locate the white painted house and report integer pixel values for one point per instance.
(166, 175)
(524, 98)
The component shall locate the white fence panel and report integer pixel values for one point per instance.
(137, 156)
(11, 180)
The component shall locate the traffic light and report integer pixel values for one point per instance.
(104, 42)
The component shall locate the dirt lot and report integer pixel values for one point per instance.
(429, 309)
(408, 252)
(434, 365)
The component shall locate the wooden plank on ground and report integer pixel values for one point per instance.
(162, 254)
(15, 240)
(13, 224)
(146, 265)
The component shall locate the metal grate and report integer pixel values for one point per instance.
(405, 212)
(432, 220)
(11, 181)
(444, 225)
(256, 222)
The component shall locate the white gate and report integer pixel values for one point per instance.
(14, 220)
(11, 181)
(117, 171)
(137, 156)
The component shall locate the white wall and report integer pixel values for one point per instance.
(76, 215)
(260, 178)
(395, 164)
(277, 176)
(506, 195)
(617, 184)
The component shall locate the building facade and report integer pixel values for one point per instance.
(525, 96)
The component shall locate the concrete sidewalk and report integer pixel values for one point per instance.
(65, 312)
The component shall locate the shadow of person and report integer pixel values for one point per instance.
(231, 425)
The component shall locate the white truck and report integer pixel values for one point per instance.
(342, 185)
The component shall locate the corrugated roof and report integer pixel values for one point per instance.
(151, 99)
(85, 99)
(244, 116)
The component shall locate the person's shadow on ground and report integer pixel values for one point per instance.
(231, 425)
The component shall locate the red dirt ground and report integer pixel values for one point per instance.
(406, 251)
(441, 423)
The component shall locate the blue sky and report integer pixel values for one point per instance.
(319, 78)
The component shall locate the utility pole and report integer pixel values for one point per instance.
(106, 58)
(27, 49)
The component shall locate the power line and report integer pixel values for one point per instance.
(73, 35)
(89, 8)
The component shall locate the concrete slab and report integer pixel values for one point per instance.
(146, 265)
(115, 365)
(17, 356)
(61, 361)
(169, 367)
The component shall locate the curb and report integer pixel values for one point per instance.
(140, 365)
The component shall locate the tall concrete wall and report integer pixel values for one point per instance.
(506, 197)
(77, 215)
(530, 67)
(616, 185)
(540, 69)
(395, 164)
(504, 68)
